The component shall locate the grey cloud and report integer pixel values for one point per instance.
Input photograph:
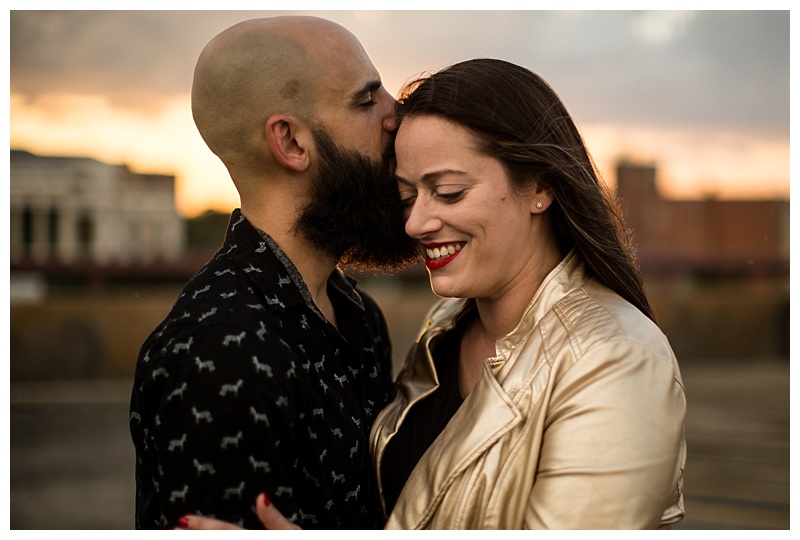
(136, 58)
(729, 70)
(726, 70)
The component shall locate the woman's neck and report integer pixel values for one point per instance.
(500, 314)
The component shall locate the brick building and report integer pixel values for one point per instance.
(707, 235)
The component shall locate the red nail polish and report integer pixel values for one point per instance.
(266, 499)
(183, 522)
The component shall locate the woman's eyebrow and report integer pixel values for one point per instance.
(401, 180)
(431, 177)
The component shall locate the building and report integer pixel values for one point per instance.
(710, 236)
(67, 211)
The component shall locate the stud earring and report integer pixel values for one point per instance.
(539, 205)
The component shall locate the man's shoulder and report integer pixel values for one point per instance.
(222, 341)
(219, 304)
(213, 295)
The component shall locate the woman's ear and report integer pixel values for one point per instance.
(288, 141)
(541, 198)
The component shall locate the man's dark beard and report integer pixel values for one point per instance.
(355, 213)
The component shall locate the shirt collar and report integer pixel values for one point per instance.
(238, 237)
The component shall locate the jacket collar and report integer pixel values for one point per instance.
(566, 276)
(484, 417)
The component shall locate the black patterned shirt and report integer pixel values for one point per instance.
(245, 387)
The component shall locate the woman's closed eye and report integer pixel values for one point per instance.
(408, 200)
(449, 196)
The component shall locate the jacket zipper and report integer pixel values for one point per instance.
(376, 461)
(451, 511)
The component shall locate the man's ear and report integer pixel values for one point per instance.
(288, 140)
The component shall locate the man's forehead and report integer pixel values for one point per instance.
(345, 71)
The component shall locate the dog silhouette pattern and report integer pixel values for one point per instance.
(245, 387)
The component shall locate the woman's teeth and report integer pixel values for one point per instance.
(442, 251)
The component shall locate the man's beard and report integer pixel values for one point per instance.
(354, 213)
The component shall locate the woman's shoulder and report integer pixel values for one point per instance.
(594, 315)
(592, 331)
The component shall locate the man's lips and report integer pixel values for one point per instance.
(440, 254)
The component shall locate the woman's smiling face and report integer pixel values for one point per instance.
(478, 237)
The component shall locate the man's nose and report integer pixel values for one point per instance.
(390, 122)
(389, 117)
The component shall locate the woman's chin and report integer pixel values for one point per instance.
(444, 290)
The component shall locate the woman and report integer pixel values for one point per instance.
(540, 393)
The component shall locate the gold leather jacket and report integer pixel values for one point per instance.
(577, 423)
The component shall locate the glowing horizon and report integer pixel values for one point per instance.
(690, 165)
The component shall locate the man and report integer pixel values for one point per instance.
(270, 368)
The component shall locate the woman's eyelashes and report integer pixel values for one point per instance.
(450, 196)
(407, 202)
(447, 196)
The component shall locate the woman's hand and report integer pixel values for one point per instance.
(267, 513)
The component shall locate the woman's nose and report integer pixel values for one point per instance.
(420, 221)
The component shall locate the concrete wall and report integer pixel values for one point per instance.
(81, 335)
(75, 335)
(723, 317)
(78, 335)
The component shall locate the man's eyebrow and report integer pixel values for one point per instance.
(371, 86)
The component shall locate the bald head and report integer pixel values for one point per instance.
(259, 68)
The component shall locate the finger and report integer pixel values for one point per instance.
(199, 523)
(271, 516)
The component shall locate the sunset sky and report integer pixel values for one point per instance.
(703, 95)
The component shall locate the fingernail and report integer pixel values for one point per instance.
(183, 522)
(266, 499)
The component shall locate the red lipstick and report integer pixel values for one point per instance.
(435, 264)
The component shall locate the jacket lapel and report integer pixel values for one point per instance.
(485, 416)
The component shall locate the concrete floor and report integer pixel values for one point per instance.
(72, 458)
